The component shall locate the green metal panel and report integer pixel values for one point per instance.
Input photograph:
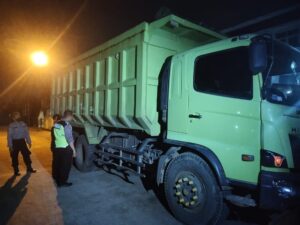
(278, 123)
(115, 84)
(229, 127)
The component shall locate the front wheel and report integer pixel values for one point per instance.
(192, 192)
(84, 160)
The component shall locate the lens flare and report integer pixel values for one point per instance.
(39, 58)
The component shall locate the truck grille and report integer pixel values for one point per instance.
(295, 145)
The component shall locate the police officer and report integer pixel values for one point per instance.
(63, 150)
(18, 138)
(55, 118)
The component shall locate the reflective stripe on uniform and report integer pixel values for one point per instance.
(59, 136)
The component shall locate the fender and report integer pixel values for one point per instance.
(204, 152)
(164, 161)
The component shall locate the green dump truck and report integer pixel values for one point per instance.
(210, 118)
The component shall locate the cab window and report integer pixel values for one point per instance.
(225, 73)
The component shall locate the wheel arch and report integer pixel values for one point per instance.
(178, 147)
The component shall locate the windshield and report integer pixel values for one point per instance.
(282, 84)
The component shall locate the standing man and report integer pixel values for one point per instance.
(18, 138)
(55, 118)
(64, 149)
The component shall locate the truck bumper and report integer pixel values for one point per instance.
(279, 190)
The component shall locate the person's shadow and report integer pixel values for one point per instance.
(11, 196)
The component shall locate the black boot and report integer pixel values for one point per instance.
(65, 184)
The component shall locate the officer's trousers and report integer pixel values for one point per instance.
(19, 145)
(62, 163)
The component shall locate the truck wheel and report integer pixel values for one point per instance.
(192, 192)
(84, 160)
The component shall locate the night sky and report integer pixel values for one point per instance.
(27, 25)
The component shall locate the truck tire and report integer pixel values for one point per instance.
(192, 192)
(84, 160)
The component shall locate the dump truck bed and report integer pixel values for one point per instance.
(115, 84)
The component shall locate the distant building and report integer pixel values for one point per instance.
(283, 25)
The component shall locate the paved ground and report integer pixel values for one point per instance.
(96, 198)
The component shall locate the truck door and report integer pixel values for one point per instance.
(224, 111)
(178, 101)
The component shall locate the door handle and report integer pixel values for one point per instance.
(195, 116)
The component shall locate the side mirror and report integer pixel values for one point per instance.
(258, 59)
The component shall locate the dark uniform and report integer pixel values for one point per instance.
(62, 153)
(53, 158)
(18, 137)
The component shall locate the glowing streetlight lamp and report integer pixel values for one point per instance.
(39, 58)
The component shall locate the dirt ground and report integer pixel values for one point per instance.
(96, 198)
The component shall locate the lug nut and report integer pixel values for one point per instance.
(191, 182)
(195, 197)
(178, 186)
(192, 202)
(187, 204)
(180, 181)
(185, 179)
(181, 200)
(194, 189)
(178, 193)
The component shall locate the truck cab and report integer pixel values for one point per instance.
(239, 99)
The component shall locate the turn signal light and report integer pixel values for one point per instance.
(248, 158)
(278, 160)
(272, 159)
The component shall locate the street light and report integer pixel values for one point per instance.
(39, 58)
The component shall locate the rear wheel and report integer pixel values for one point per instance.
(192, 192)
(84, 160)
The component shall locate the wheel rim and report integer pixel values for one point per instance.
(189, 191)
